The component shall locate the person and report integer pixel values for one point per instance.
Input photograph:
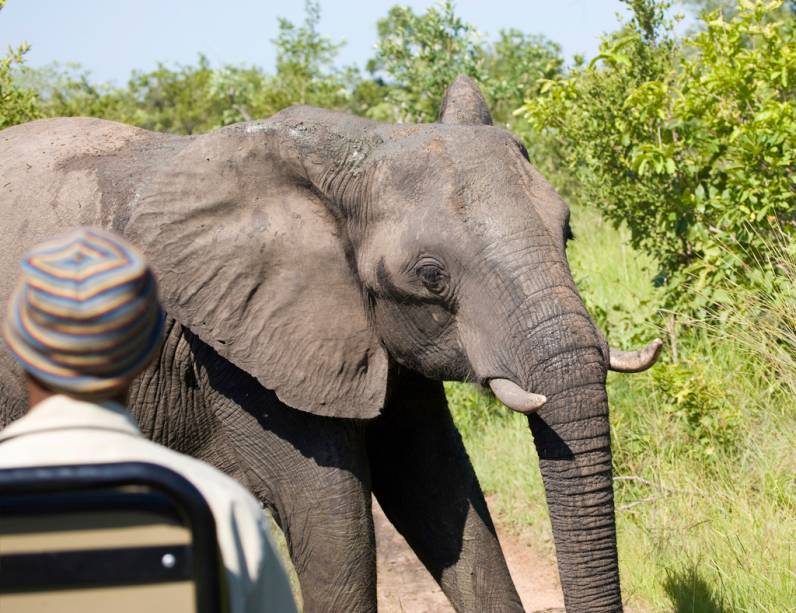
(83, 321)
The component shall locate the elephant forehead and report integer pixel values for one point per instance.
(493, 184)
(458, 198)
(458, 165)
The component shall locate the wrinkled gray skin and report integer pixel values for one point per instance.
(322, 274)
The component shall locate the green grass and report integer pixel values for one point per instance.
(704, 446)
(615, 281)
(283, 552)
(703, 531)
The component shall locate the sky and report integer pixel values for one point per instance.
(110, 38)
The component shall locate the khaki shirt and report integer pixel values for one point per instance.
(64, 430)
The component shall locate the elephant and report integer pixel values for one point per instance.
(322, 274)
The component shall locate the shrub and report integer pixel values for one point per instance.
(690, 145)
(473, 407)
(17, 104)
(420, 54)
(706, 420)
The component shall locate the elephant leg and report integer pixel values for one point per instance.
(426, 485)
(311, 472)
(318, 488)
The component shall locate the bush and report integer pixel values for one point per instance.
(17, 104)
(474, 408)
(705, 419)
(690, 145)
(419, 55)
(198, 98)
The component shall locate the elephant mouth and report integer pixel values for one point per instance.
(523, 401)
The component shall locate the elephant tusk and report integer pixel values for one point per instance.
(635, 361)
(516, 398)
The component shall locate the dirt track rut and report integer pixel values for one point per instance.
(405, 586)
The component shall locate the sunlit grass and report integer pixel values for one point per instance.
(704, 533)
(614, 280)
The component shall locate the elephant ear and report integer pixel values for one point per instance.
(249, 257)
(464, 104)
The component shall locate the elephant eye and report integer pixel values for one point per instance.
(432, 276)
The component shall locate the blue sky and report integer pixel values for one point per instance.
(112, 37)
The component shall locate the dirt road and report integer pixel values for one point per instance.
(404, 585)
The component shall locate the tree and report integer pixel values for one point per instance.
(305, 74)
(418, 55)
(728, 8)
(305, 63)
(166, 99)
(421, 55)
(690, 145)
(65, 90)
(174, 99)
(513, 68)
(197, 98)
(17, 104)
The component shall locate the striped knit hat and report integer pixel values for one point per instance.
(85, 317)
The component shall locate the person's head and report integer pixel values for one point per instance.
(84, 319)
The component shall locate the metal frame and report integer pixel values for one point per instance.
(95, 487)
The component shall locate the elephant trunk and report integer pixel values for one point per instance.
(568, 365)
(572, 439)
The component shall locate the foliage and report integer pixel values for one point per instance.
(67, 90)
(476, 407)
(305, 74)
(763, 323)
(614, 286)
(173, 100)
(705, 420)
(421, 54)
(305, 71)
(727, 7)
(17, 104)
(708, 6)
(691, 147)
(512, 69)
(197, 98)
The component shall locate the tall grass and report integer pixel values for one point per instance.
(704, 444)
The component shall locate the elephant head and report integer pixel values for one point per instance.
(316, 250)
